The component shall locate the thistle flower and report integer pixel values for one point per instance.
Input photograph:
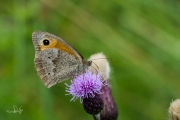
(174, 110)
(100, 64)
(93, 89)
(87, 87)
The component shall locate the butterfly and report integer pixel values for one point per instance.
(55, 59)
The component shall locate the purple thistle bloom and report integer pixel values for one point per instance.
(85, 85)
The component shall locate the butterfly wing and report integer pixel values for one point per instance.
(55, 59)
(57, 42)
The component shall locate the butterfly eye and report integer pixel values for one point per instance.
(46, 42)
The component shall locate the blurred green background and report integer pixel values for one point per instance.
(142, 36)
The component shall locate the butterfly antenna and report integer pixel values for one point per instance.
(103, 58)
(83, 72)
(94, 68)
(96, 65)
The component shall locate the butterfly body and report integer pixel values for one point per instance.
(55, 59)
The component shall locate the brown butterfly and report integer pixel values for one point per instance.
(55, 59)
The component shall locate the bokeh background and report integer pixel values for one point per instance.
(141, 36)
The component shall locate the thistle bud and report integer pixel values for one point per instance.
(110, 111)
